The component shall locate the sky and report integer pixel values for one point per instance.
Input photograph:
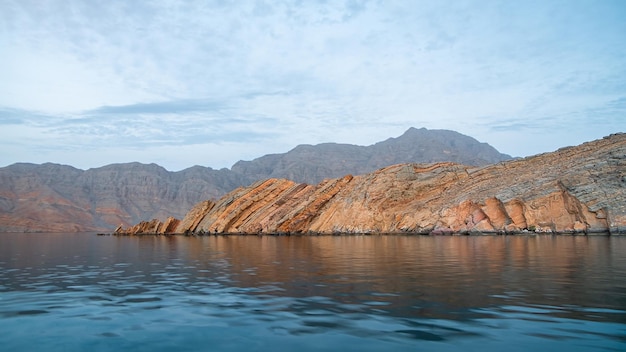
(89, 83)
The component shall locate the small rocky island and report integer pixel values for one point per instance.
(578, 189)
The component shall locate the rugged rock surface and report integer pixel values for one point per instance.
(152, 227)
(58, 198)
(575, 189)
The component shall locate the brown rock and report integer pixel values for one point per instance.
(169, 226)
(575, 189)
(194, 216)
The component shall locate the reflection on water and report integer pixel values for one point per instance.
(66, 292)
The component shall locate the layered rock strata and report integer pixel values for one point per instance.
(153, 226)
(576, 189)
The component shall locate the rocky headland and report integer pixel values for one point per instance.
(578, 189)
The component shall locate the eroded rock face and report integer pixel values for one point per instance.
(575, 189)
(153, 226)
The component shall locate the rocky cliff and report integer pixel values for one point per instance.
(58, 198)
(575, 189)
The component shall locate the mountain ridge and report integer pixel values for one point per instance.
(419, 145)
(60, 198)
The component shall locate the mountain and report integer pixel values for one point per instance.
(60, 198)
(313, 163)
(577, 189)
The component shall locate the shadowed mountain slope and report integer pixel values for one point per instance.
(313, 163)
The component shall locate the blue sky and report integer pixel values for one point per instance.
(181, 83)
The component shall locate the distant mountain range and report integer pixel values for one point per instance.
(59, 198)
(313, 163)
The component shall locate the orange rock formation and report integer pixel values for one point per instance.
(576, 189)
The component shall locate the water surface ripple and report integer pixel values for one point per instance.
(77, 292)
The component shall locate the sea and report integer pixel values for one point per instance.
(84, 292)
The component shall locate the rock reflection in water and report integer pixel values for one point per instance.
(361, 292)
(425, 276)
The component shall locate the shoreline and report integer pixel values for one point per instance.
(405, 233)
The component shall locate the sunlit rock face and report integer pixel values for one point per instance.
(575, 189)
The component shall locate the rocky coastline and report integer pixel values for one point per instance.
(575, 190)
(526, 232)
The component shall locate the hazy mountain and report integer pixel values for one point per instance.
(313, 163)
(51, 197)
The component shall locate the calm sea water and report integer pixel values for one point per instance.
(82, 292)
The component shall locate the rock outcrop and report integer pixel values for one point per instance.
(576, 189)
(152, 227)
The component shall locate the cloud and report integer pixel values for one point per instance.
(12, 117)
(265, 76)
(168, 107)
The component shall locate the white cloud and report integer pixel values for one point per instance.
(264, 76)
